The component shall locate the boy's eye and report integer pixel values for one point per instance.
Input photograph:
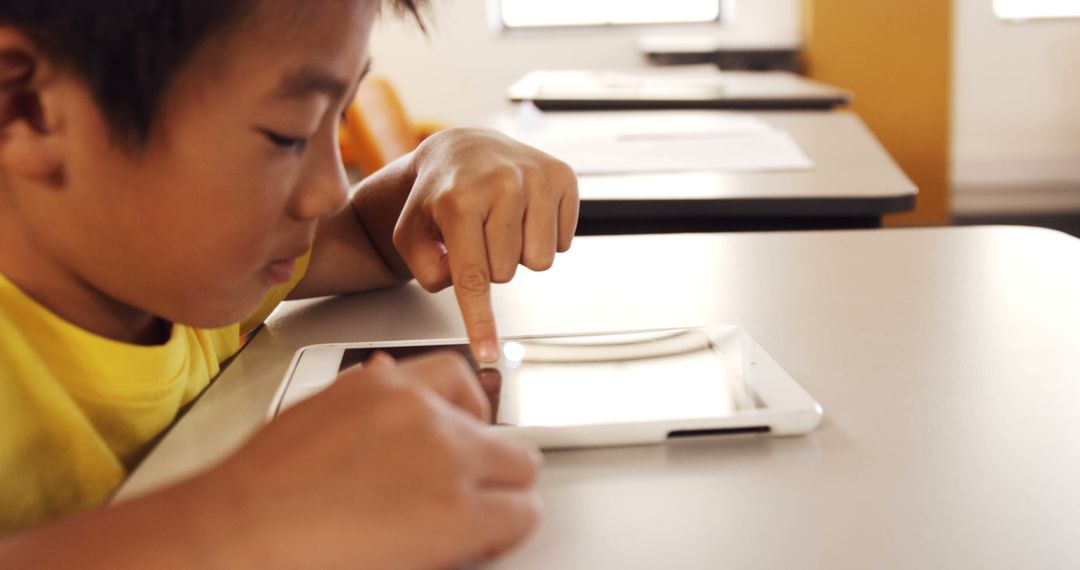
(293, 144)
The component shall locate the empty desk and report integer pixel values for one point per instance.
(688, 49)
(663, 89)
(852, 184)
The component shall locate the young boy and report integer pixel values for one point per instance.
(168, 166)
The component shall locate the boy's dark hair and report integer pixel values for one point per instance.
(127, 51)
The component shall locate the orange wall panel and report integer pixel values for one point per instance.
(896, 56)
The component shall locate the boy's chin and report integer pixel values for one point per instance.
(223, 314)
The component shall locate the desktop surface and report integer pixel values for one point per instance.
(853, 182)
(946, 360)
(746, 90)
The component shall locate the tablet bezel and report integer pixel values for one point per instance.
(786, 408)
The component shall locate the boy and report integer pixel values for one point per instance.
(165, 167)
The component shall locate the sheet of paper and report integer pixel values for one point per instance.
(541, 83)
(627, 142)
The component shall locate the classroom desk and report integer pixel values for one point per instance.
(853, 184)
(742, 90)
(689, 49)
(947, 362)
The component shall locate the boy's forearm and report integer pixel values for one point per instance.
(378, 203)
(176, 528)
(354, 250)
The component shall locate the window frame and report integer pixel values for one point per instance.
(1007, 6)
(497, 23)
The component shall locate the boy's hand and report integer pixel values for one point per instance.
(481, 204)
(388, 468)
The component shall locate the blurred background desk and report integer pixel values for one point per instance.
(945, 360)
(852, 184)
(687, 49)
(668, 88)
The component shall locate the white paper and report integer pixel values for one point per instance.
(690, 81)
(635, 81)
(628, 142)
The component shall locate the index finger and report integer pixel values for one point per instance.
(470, 274)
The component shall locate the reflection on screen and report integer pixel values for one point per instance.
(602, 379)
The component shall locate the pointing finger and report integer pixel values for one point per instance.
(470, 273)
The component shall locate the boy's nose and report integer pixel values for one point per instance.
(324, 191)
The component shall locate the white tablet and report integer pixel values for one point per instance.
(605, 389)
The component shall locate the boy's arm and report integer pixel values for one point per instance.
(400, 454)
(175, 528)
(464, 209)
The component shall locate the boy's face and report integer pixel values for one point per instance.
(241, 163)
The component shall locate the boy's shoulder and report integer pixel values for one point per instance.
(80, 409)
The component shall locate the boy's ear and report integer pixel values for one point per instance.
(28, 145)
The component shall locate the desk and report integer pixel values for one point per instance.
(761, 90)
(853, 184)
(946, 360)
(688, 49)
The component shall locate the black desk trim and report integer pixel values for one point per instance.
(747, 104)
(716, 225)
(605, 217)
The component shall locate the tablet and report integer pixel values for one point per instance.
(569, 391)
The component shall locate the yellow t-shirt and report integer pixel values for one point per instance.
(77, 410)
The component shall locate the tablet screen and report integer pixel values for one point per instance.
(602, 379)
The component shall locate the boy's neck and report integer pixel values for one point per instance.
(61, 291)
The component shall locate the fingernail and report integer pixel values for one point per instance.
(380, 358)
(487, 352)
(537, 456)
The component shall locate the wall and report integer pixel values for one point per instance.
(895, 55)
(460, 73)
(1016, 118)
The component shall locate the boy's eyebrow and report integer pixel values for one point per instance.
(309, 80)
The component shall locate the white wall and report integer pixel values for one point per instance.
(1016, 109)
(461, 71)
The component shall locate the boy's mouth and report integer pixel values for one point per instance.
(281, 271)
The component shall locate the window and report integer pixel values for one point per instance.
(559, 13)
(1027, 9)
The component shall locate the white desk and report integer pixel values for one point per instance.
(854, 183)
(947, 361)
(760, 90)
